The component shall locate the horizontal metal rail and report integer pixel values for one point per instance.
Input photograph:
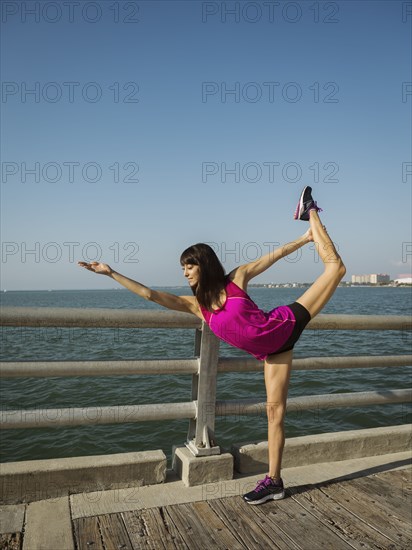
(323, 401)
(40, 369)
(82, 416)
(131, 318)
(361, 322)
(51, 418)
(96, 317)
(246, 364)
(201, 410)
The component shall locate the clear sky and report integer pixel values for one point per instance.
(131, 130)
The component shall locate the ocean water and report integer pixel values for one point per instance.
(59, 344)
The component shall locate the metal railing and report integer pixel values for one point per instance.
(203, 407)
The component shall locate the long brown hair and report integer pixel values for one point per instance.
(212, 277)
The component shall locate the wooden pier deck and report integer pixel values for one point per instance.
(363, 512)
(370, 512)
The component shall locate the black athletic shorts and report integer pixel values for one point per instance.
(302, 317)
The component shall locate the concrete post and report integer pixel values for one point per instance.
(200, 440)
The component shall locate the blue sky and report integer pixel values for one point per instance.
(131, 130)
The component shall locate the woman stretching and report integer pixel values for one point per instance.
(222, 302)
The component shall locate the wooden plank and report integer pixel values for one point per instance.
(360, 505)
(148, 529)
(136, 529)
(155, 521)
(398, 478)
(11, 541)
(241, 520)
(303, 528)
(180, 518)
(260, 530)
(381, 492)
(114, 534)
(87, 533)
(360, 535)
(177, 537)
(214, 522)
(402, 479)
(195, 533)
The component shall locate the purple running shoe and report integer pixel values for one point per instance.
(266, 489)
(305, 205)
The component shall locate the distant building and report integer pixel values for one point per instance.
(370, 279)
(404, 281)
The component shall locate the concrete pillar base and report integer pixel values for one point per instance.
(197, 470)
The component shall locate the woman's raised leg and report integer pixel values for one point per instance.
(320, 292)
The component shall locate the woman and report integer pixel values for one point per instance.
(222, 302)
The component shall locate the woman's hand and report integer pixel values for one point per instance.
(102, 269)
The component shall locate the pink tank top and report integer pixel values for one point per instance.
(240, 323)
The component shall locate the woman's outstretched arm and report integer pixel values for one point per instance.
(188, 304)
(244, 273)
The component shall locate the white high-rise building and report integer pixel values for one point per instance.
(371, 279)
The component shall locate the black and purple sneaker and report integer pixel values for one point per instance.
(266, 489)
(305, 205)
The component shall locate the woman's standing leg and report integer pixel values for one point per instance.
(277, 376)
